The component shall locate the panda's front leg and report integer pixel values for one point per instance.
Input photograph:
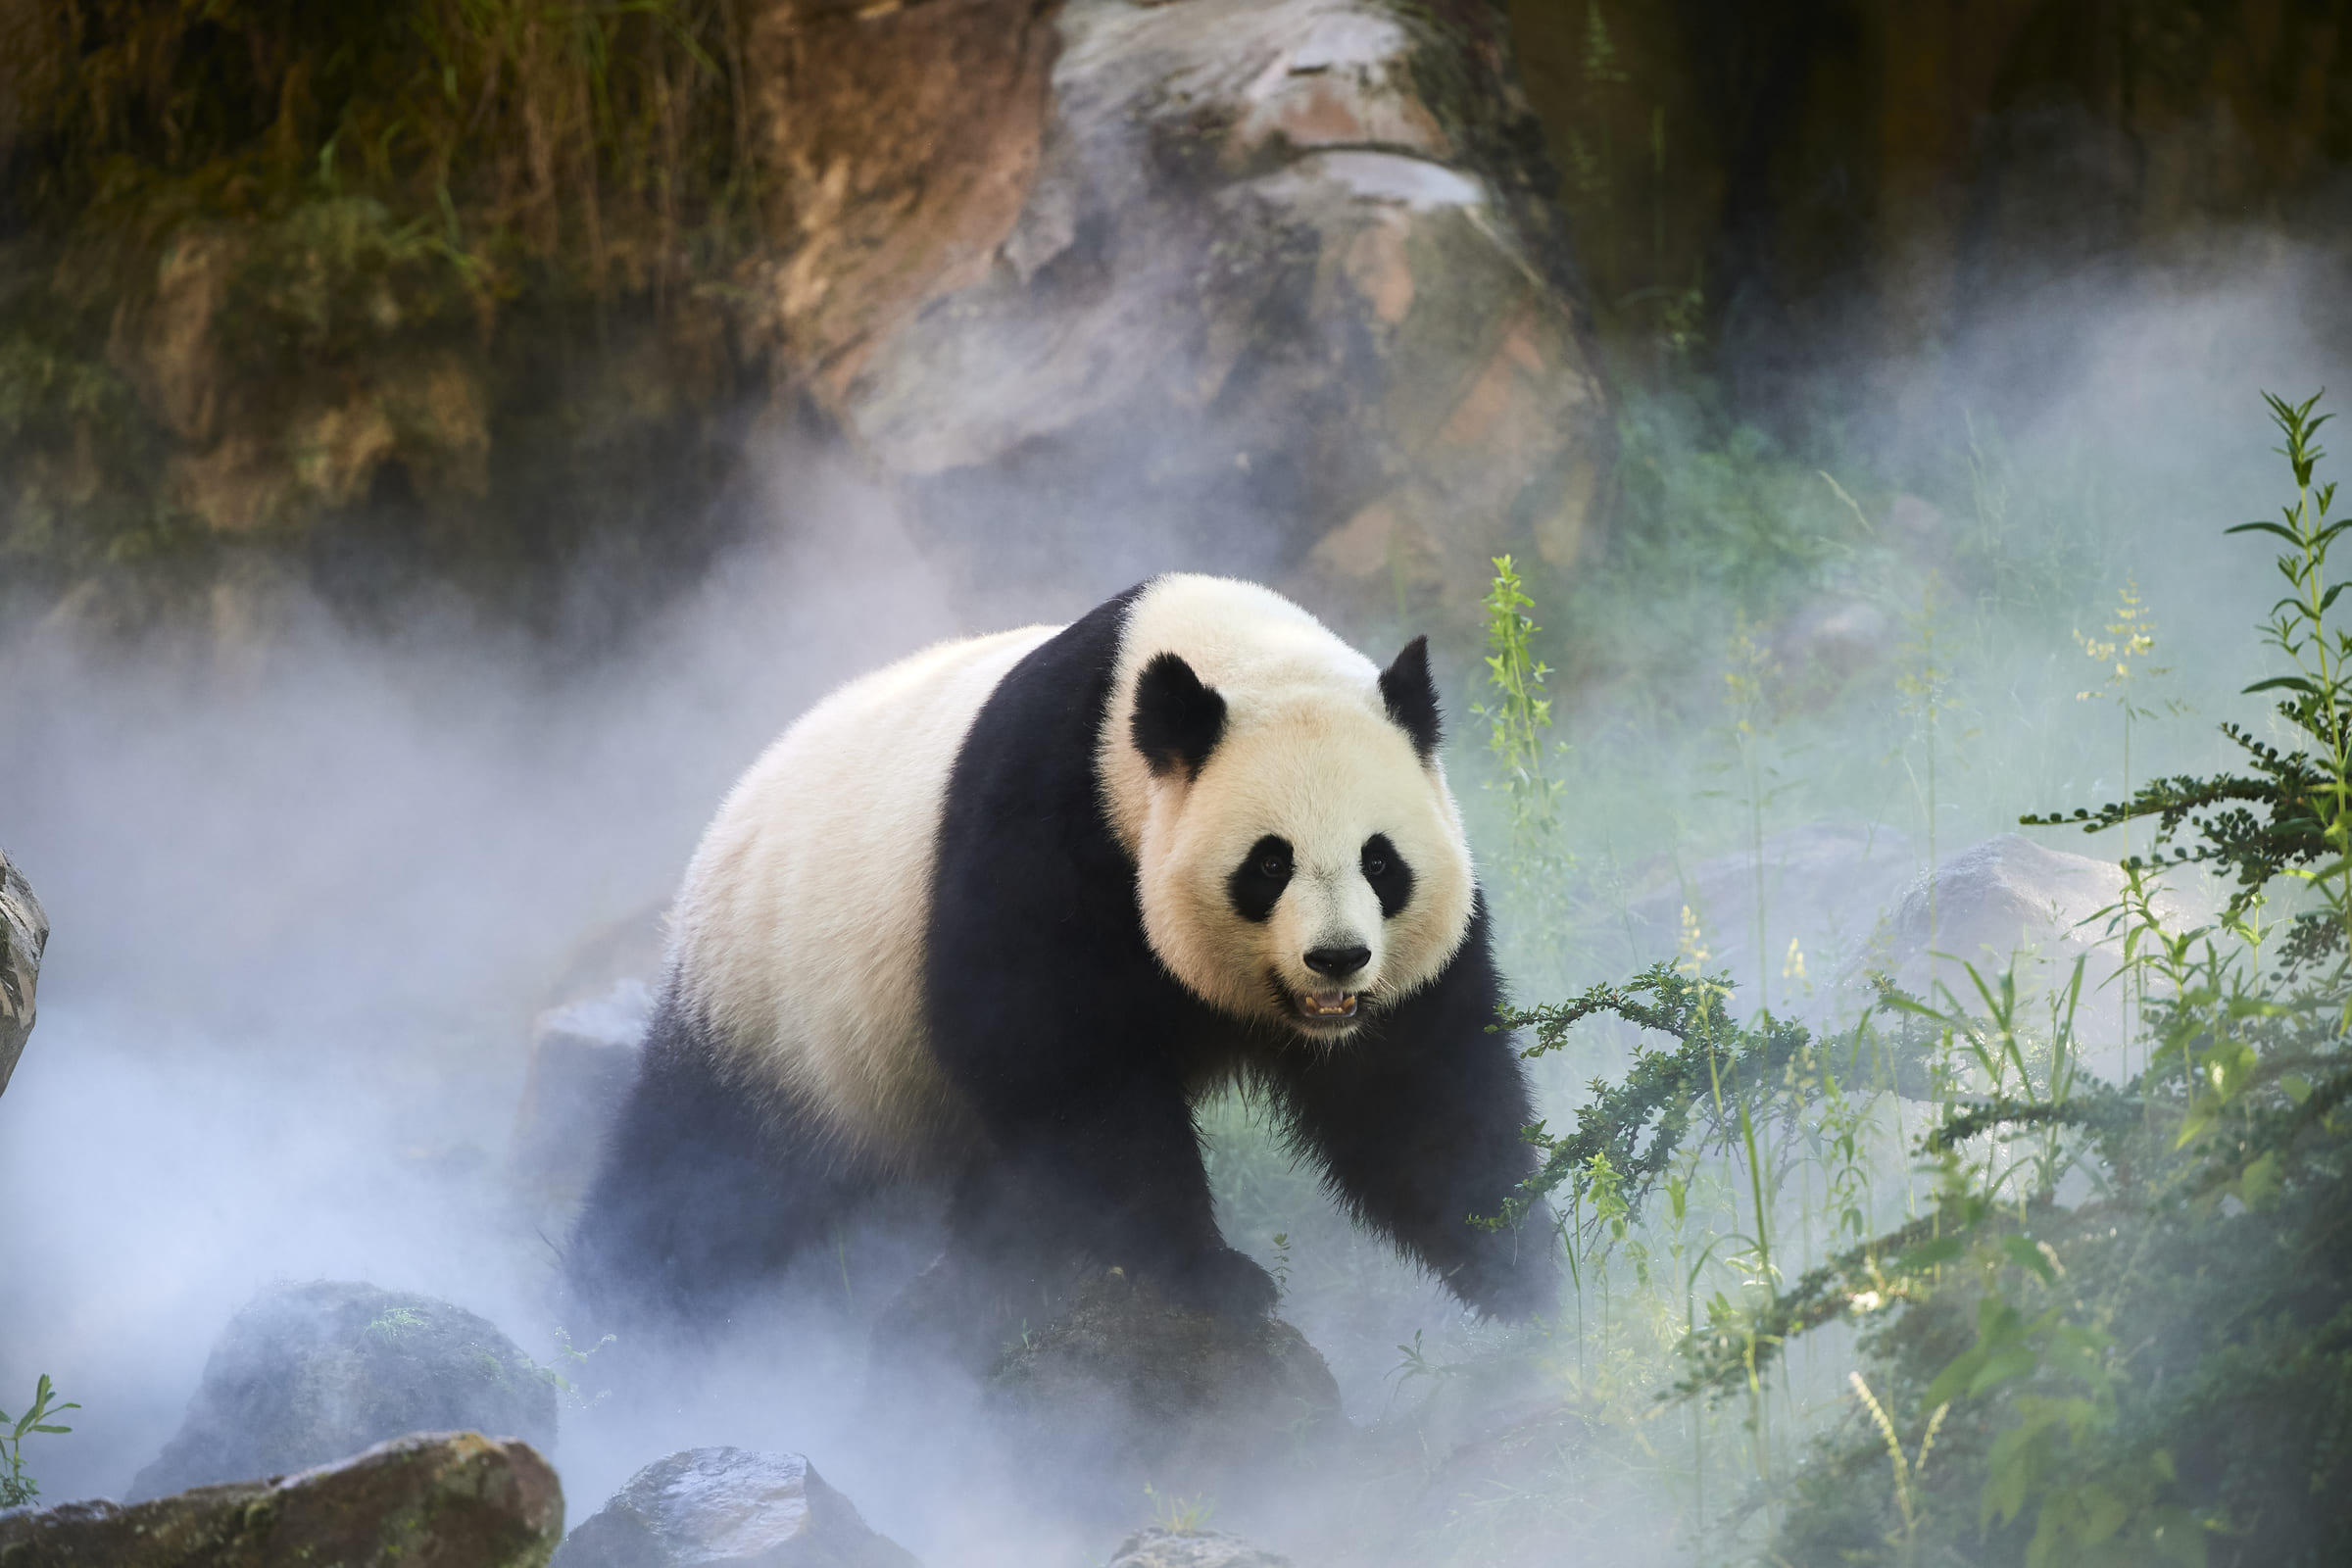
(1419, 1119)
(1093, 1154)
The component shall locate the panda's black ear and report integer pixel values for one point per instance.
(1412, 696)
(1177, 721)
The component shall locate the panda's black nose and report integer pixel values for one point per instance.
(1338, 961)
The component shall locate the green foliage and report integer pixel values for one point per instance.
(603, 141)
(1629, 1133)
(2105, 1406)
(16, 1486)
(570, 1364)
(2292, 814)
(1526, 762)
(1179, 1515)
(2115, 1319)
(1519, 718)
(262, 256)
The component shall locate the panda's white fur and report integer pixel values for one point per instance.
(799, 932)
(1308, 754)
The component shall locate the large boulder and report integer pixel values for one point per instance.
(1134, 1380)
(901, 141)
(306, 1374)
(1852, 899)
(2010, 904)
(729, 1508)
(24, 935)
(1287, 295)
(1996, 900)
(428, 1500)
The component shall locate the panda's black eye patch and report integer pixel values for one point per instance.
(1390, 878)
(1256, 884)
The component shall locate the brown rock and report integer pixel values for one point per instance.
(429, 1501)
(169, 345)
(902, 140)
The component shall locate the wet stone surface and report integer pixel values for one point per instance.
(717, 1507)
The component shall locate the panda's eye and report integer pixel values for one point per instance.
(1255, 885)
(1390, 878)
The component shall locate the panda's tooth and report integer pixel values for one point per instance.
(1329, 1003)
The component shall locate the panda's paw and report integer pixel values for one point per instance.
(1514, 1277)
(1512, 1296)
(1224, 1281)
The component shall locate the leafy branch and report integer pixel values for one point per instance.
(16, 1486)
(1638, 1123)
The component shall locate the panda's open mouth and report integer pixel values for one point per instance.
(1326, 1006)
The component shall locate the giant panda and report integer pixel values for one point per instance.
(992, 919)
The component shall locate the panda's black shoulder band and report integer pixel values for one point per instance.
(1412, 696)
(1177, 721)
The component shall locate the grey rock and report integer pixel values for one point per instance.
(307, 1374)
(1288, 283)
(1159, 1547)
(1831, 887)
(583, 1059)
(729, 1508)
(452, 1500)
(1852, 897)
(2011, 904)
(1133, 1380)
(1995, 899)
(24, 935)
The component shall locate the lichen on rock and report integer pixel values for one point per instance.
(306, 1374)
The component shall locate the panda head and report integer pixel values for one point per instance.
(1300, 861)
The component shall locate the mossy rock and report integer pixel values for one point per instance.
(452, 1500)
(308, 1374)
